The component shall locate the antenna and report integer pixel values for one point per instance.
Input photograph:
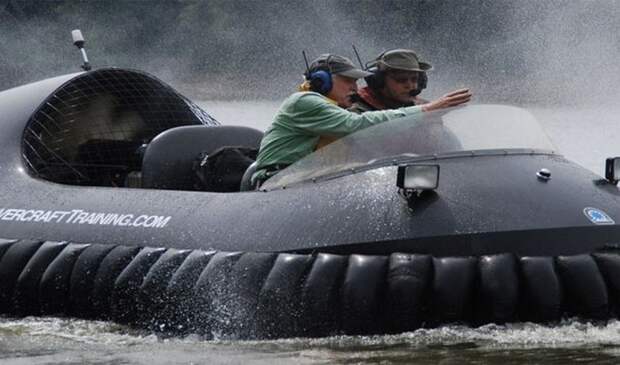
(358, 56)
(306, 60)
(78, 41)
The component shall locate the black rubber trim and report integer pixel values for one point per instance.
(126, 304)
(82, 282)
(320, 296)
(362, 293)
(26, 295)
(278, 309)
(498, 295)
(253, 295)
(239, 295)
(181, 312)
(153, 294)
(211, 294)
(584, 287)
(11, 266)
(453, 288)
(103, 286)
(55, 286)
(609, 265)
(541, 291)
(408, 277)
(4, 246)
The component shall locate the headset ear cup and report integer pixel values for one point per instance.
(380, 79)
(316, 84)
(321, 82)
(371, 81)
(376, 81)
(422, 81)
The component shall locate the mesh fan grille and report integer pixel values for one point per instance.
(89, 131)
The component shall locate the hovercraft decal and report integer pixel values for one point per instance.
(79, 216)
(597, 216)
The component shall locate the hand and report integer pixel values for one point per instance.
(454, 98)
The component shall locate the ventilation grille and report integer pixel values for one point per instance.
(89, 132)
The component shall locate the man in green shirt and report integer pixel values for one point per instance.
(317, 114)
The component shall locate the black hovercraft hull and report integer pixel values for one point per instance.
(338, 216)
(347, 255)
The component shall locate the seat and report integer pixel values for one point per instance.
(170, 157)
(246, 180)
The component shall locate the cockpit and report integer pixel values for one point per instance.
(127, 129)
(466, 130)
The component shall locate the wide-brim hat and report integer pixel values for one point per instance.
(338, 65)
(400, 59)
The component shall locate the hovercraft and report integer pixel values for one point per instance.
(122, 200)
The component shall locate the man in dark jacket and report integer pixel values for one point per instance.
(398, 77)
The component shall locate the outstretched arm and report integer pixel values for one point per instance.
(313, 115)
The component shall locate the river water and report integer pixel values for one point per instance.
(585, 135)
(62, 341)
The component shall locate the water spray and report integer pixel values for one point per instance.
(78, 41)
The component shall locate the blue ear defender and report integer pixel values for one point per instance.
(320, 81)
(320, 78)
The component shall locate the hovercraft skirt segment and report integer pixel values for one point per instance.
(270, 295)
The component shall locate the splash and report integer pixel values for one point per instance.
(524, 52)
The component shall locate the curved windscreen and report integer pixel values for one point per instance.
(470, 128)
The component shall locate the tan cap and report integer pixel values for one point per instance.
(338, 65)
(400, 59)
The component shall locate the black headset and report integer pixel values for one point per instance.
(376, 81)
(320, 77)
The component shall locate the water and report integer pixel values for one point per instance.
(255, 114)
(62, 341)
(586, 135)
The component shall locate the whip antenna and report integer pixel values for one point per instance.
(306, 60)
(78, 41)
(358, 56)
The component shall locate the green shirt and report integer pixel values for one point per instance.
(306, 116)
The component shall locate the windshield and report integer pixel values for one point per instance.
(470, 128)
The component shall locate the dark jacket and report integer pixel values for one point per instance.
(367, 100)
